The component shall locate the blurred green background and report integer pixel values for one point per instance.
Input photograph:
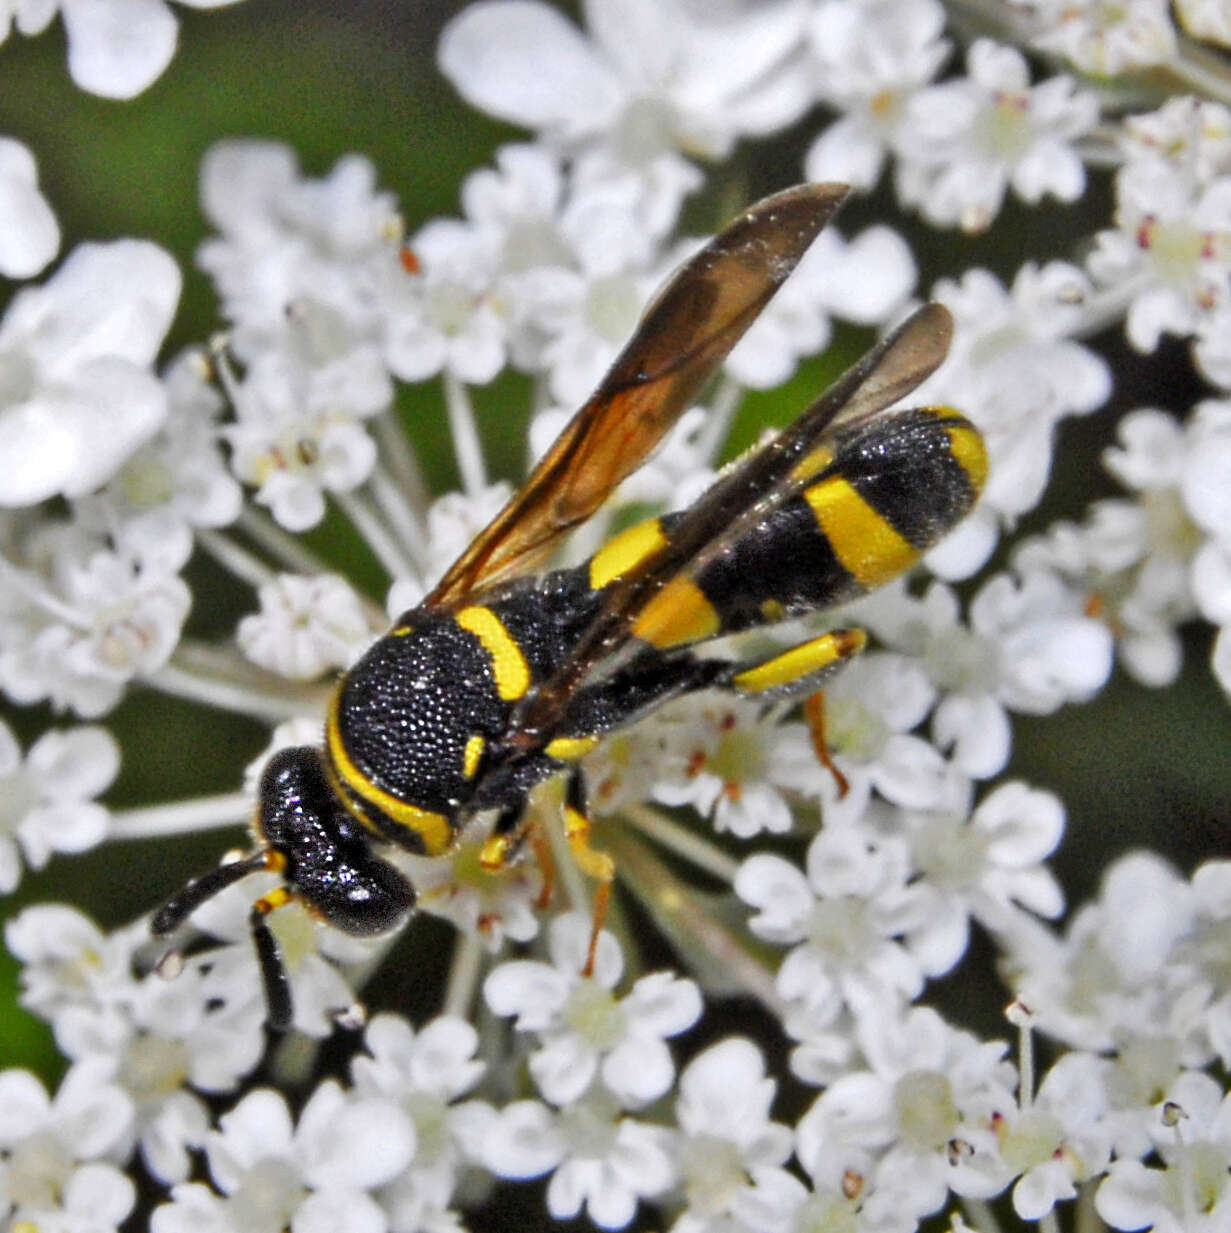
(1136, 767)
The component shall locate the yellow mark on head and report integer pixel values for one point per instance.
(570, 748)
(432, 828)
(400, 631)
(678, 614)
(615, 558)
(509, 665)
(869, 548)
(471, 755)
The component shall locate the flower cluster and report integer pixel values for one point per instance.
(828, 862)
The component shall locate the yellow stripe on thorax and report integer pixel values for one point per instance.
(868, 547)
(432, 828)
(509, 665)
(678, 614)
(615, 558)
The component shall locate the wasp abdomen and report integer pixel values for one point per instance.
(871, 499)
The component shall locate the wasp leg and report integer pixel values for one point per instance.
(594, 864)
(801, 670)
(279, 1009)
(814, 714)
(514, 826)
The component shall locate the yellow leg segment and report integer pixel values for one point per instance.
(277, 898)
(801, 668)
(502, 845)
(594, 864)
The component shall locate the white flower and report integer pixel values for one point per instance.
(305, 267)
(965, 142)
(1189, 1193)
(1015, 370)
(1030, 646)
(116, 48)
(73, 976)
(156, 1036)
(1205, 19)
(988, 866)
(586, 1032)
(1110, 978)
(1193, 134)
(29, 233)
(726, 761)
(447, 317)
(492, 905)
(1104, 37)
(81, 615)
(1170, 250)
(314, 1174)
(651, 79)
(1059, 1139)
(600, 1159)
(53, 1167)
(181, 470)
(871, 55)
(306, 626)
(427, 1072)
(928, 1086)
(730, 1152)
(845, 919)
(870, 710)
(307, 948)
(299, 434)
(46, 803)
(76, 394)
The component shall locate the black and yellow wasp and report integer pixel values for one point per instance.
(504, 677)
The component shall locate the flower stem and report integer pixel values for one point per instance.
(378, 536)
(399, 464)
(464, 970)
(465, 436)
(405, 523)
(201, 813)
(979, 1215)
(245, 565)
(279, 544)
(176, 678)
(683, 842)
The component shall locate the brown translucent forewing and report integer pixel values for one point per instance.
(684, 335)
(744, 494)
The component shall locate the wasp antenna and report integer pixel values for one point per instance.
(273, 971)
(180, 906)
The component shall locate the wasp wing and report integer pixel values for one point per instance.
(683, 336)
(744, 494)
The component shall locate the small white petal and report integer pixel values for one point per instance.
(524, 62)
(29, 233)
(117, 48)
